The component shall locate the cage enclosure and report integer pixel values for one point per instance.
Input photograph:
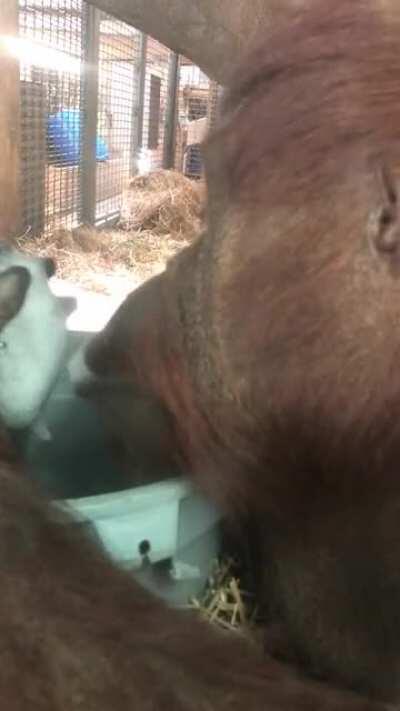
(165, 532)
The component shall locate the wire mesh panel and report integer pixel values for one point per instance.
(99, 103)
(197, 107)
(50, 50)
(119, 69)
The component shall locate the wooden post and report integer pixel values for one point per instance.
(9, 124)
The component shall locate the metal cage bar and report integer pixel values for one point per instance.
(90, 91)
(100, 102)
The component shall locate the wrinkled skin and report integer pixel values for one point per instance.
(273, 343)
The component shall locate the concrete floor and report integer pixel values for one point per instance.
(94, 310)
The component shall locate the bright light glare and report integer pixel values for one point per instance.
(39, 55)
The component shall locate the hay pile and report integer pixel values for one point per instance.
(162, 213)
(87, 256)
(165, 202)
(224, 603)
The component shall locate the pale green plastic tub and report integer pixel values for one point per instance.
(166, 533)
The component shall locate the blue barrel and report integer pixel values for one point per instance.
(64, 138)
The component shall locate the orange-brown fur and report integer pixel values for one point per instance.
(274, 341)
(78, 634)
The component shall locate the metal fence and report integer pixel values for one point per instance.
(100, 102)
(51, 54)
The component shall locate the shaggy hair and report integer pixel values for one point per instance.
(273, 343)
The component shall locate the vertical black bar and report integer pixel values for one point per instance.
(171, 110)
(89, 106)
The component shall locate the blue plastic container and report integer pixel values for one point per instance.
(64, 138)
